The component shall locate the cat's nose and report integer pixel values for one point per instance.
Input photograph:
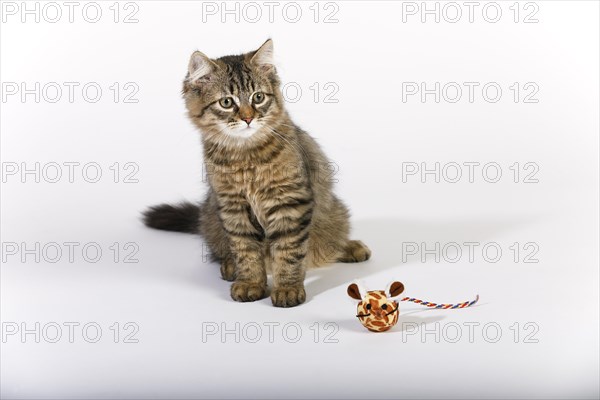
(247, 120)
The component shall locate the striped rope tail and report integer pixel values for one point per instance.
(442, 306)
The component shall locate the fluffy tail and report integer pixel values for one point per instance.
(182, 217)
(444, 306)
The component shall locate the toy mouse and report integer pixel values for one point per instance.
(378, 311)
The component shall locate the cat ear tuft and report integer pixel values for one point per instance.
(263, 57)
(200, 67)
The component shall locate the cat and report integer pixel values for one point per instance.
(269, 205)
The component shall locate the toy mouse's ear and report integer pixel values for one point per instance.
(395, 289)
(354, 291)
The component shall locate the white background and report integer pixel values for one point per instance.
(173, 293)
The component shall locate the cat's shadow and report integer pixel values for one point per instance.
(385, 237)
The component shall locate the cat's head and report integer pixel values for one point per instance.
(234, 99)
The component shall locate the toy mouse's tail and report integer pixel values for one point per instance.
(444, 306)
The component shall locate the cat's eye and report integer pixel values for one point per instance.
(368, 306)
(258, 97)
(226, 102)
(384, 306)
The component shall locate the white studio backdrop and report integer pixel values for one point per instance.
(465, 137)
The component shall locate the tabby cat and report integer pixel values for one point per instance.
(269, 205)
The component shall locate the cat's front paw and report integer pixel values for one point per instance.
(247, 291)
(288, 296)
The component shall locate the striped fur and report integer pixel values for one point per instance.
(270, 204)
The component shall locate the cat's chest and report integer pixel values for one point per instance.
(262, 186)
(252, 180)
(242, 178)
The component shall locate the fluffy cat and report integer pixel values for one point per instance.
(270, 203)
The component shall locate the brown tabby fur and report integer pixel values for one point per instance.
(270, 204)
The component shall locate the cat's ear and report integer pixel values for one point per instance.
(394, 289)
(263, 57)
(200, 68)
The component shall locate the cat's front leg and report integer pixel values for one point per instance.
(250, 275)
(287, 232)
(246, 239)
